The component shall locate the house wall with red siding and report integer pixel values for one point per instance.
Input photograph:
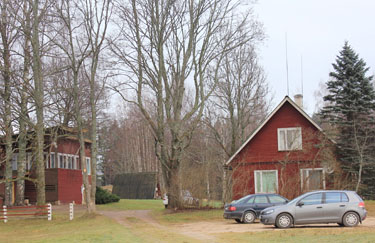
(261, 153)
(69, 186)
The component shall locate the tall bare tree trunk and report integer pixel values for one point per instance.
(22, 141)
(38, 97)
(94, 145)
(81, 138)
(6, 95)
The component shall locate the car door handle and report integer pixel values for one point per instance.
(342, 206)
(319, 207)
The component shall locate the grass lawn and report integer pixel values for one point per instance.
(98, 228)
(94, 228)
(310, 234)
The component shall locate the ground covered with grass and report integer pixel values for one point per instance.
(149, 221)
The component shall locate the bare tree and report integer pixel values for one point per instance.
(70, 37)
(8, 34)
(239, 102)
(166, 47)
(97, 15)
(240, 97)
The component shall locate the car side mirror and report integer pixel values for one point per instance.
(300, 204)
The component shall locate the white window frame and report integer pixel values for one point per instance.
(74, 158)
(284, 147)
(29, 157)
(308, 181)
(14, 161)
(76, 161)
(70, 161)
(261, 177)
(88, 165)
(46, 159)
(52, 154)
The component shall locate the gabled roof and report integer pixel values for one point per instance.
(286, 99)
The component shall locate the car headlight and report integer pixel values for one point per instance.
(268, 211)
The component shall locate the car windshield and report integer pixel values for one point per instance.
(295, 199)
(244, 199)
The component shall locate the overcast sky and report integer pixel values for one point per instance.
(316, 30)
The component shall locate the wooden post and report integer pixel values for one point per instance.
(5, 214)
(49, 212)
(71, 211)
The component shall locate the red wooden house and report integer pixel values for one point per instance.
(283, 155)
(63, 174)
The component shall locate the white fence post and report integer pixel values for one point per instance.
(49, 211)
(71, 211)
(5, 214)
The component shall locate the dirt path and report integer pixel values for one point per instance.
(144, 215)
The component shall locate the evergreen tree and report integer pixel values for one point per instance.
(350, 111)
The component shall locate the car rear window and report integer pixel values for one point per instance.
(276, 199)
(344, 197)
(333, 197)
(336, 197)
(261, 199)
(245, 199)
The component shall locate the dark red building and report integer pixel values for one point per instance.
(283, 155)
(63, 174)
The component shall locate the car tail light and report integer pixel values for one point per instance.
(361, 204)
(232, 208)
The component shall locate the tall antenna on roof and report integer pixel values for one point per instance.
(302, 75)
(286, 60)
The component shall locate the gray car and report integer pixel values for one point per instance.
(345, 208)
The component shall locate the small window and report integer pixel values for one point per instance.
(52, 160)
(312, 179)
(88, 165)
(70, 162)
(245, 199)
(265, 181)
(312, 199)
(14, 161)
(251, 200)
(61, 161)
(276, 199)
(289, 138)
(344, 197)
(260, 199)
(333, 197)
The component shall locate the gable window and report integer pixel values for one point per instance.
(265, 181)
(289, 138)
(312, 179)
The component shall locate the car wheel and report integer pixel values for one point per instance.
(238, 221)
(350, 219)
(284, 220)
(249, 217)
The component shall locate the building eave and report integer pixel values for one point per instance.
(265, 121)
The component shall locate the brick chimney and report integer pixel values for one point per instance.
(298, 98)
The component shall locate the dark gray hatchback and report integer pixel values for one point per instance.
(248, 208)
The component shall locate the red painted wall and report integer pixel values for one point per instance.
(261, 153)
(69, 186)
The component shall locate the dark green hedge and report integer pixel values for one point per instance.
(103, 196)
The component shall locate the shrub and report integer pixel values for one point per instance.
(103, 196)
